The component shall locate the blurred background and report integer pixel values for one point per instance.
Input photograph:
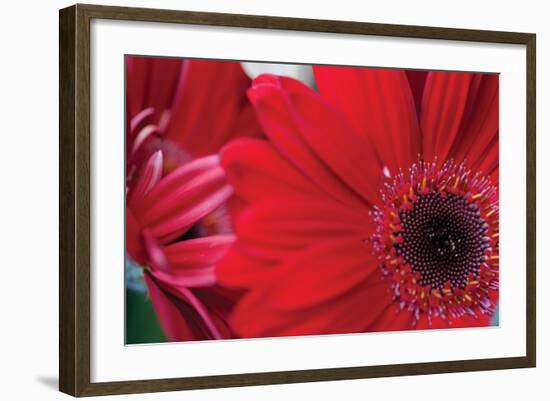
(142, 326)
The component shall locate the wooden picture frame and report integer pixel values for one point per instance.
(75, 207)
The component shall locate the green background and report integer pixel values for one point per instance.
(142, 325)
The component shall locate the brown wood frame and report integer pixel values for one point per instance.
(74, 199)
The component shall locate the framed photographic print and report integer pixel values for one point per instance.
(250, 200)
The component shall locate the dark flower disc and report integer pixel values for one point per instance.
(437, 240)
(444, 239)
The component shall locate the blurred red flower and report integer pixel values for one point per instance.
(178, 114)
(372, 206)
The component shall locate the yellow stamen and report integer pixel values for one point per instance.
(394, 228)
(456, 182)
(477, 196)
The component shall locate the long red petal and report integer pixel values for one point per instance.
(480, 128)
(148, 176)
(316, 139)
(348, 305)
(239, 268)
(183, 197)
(191, 263)
(198, 252)
(279, 227)
(182, 175)
(320, 273)
(150, 83)
(173, 323)
(488, 163)
(258, 171)
(203, 205)
(432, 323)
(181, 194)
(444, 105)
(137, 69)
(393, 319)
(380, 105)
(417, 81)
(207, 87)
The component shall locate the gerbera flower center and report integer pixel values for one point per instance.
(437, 240)
(444, 239)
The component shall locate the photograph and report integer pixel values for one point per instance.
(267, 199)
(274, 200)
(315, 200)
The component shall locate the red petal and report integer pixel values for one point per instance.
(150, 82)
(190, 213)
(299, 222)
(480, 128)
(173, 323)
(241, 269)
(136, 84)
(488, 164)
(207, 87)
(444, 104)
(134, 241)
(494, 177)
(235, 205)
(138, 120)
(148, 176)
(434, 323)
(348, 312)
(198, 252)
(190, 278)
(417, 81)
(182, 192)
(245, 125)
(320, 273)
(191, 263)
(258, 171)
(469, 321)
(393, 319)
(183, 197)
(178, 314)
(380, 105)
(182, 175)
(316, 139)
(165, 72)
(220, 302)
(155, 254)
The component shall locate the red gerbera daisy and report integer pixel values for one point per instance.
(372, 207)
(176, 222)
